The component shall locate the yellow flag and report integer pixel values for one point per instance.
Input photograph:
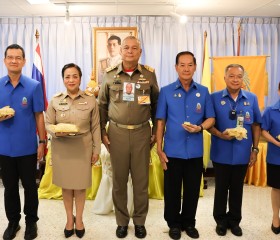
(206, 73)
(255, 78)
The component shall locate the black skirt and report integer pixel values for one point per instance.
(273, 175)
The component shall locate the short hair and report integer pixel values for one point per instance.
(114, 37)
(15, 46)
(184, 53)
(132, 38)
(71, 65)
(234, 65)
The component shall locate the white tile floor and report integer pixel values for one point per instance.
(255, 224)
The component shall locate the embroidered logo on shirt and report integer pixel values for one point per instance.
(198, 108)
(247, 117)
(24, 102)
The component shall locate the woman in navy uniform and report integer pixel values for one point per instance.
(271, 132)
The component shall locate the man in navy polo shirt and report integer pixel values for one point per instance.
(184, 110)
(231, 157)
(19, 150)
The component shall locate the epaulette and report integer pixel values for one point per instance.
(149, 68)
(110, 68)
(88, 93)
(58, 94)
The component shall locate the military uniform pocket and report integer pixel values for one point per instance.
(82, 111)
(63, 114)
(116, 92)
(142, 89)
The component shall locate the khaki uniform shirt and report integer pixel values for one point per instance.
(139, 109)
(81, 111)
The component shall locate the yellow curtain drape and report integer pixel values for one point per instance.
(47, 190)
(256, 175)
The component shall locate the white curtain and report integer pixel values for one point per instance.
(162, 37)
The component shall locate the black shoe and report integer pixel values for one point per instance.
(80, 233)
(175, 233)
(192, 232)
(11, 231)
(121, 231)
(30, 231)
(276, 230)
(236, 230)
(68, 233)
(140, 231)
(221, 230)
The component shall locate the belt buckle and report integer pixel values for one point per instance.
(130, 127)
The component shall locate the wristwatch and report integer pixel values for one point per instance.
(202, 128)
(42, 141)
(255, 149)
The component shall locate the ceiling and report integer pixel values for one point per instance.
(21, 8)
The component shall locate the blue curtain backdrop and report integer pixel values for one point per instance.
(162, 37)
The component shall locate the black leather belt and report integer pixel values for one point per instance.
(130, 127)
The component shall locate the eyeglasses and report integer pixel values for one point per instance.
(14, 58)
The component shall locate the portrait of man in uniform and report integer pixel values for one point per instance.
(114, 57)
(106, 48)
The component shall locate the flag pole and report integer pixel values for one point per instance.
(204, 44)
(238, 40)
(37, 35)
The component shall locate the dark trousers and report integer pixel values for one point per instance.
(189, 173)
(13, 169)
(229, 180)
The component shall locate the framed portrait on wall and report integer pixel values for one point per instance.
(106, 48)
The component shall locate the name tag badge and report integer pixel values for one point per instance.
(144, 100)
(128, 97)
(129, 90)
(240, 120)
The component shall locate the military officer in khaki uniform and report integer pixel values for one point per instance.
(129, 135)
(74, 154)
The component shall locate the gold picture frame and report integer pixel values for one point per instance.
(101, 54)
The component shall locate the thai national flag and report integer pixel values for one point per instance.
(38, 73)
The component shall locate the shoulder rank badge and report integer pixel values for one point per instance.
(58, 94)
(111, 68)
(149, 68)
